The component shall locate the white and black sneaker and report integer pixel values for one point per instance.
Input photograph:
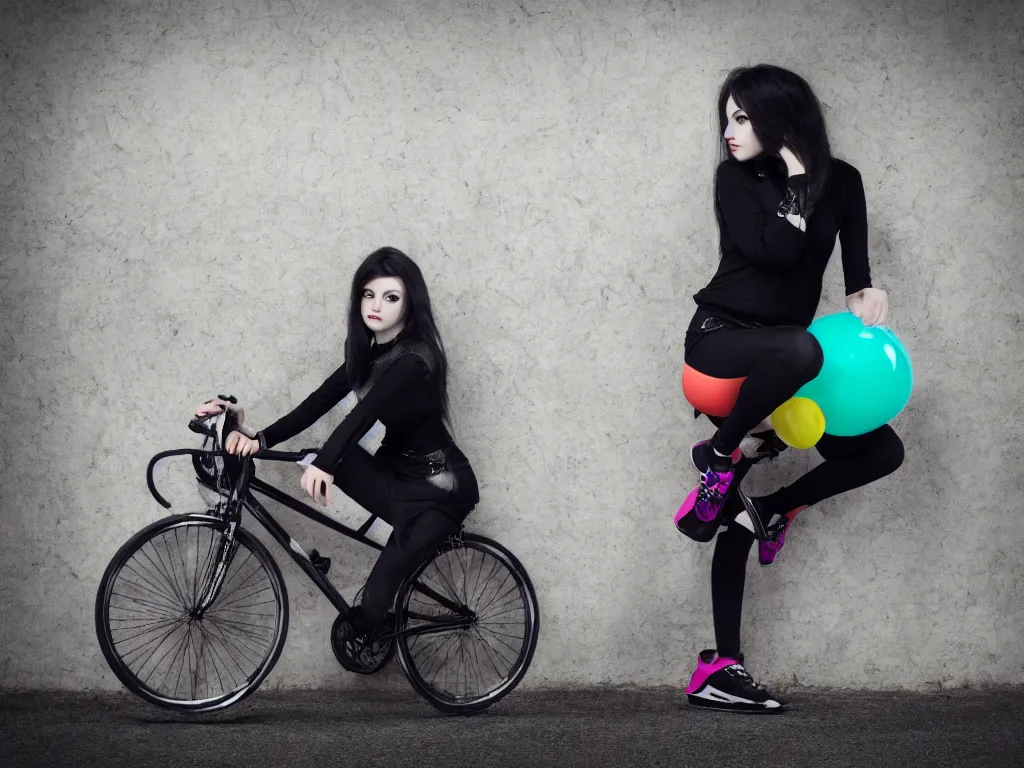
(724, 683)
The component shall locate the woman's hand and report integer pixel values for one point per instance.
(240, 445)
(793, 164)
(871, 305)
(311, 484)
(218, 405)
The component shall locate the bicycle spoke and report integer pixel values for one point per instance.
(497, 671)
(194, 677)
(184, 657)
(239, 651)
(451, 644)
(159, 640)
(462, 659)
(448, 586)
(220, 605)
(171, 664)
(225, 642)
(500, 634)
(473, 599)
(512, 590)
(171, 578)
(147, 604)
(220, 679)
(514, 650)
(158, 591)
(233, 632)
(215, 655)
(448, 638)
(497, 590)
(237, 625)
(476, 668)
(155, 628)
(236, 566)
(181, 558)
(237, 612)
(163, 572)
(125, 609)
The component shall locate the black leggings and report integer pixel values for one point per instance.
(776, 362)
(421, 513)
(850, 462)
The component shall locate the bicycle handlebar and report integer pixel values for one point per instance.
(196, 423)
(265, 454)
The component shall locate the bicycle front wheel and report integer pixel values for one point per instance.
(157, 642)
(467, 668)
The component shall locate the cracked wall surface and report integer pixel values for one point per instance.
(187, 187)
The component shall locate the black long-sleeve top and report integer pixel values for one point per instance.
(402, 393)
(771, 272)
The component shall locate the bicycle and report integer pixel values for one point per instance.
(204, 639)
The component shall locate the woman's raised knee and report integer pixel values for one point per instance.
(803, 354)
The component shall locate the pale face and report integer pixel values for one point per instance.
(383, 307)
(739, 133)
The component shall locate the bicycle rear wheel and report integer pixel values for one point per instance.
(466, 669)
(157, 643)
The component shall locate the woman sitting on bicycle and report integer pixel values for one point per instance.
(418, 481)
(780, 201)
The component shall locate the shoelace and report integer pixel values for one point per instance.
(708, 495)
(740, 672)
(775, 531)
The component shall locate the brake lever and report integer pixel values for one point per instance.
(199, 429)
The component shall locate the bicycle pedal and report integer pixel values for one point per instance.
(322, 564)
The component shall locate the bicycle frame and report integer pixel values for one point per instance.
(241, 497)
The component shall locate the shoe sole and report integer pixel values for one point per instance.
(733, 707)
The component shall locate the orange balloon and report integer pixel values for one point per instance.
(710, 395)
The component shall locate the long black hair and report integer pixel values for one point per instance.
(418, 318)
(783, 110)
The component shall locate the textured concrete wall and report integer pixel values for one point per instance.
(186, 188)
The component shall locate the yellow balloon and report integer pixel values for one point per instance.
(799, 422)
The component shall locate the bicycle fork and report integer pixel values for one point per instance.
(225, 554)
(228, 544)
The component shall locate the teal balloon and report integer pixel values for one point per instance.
(866, 378)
